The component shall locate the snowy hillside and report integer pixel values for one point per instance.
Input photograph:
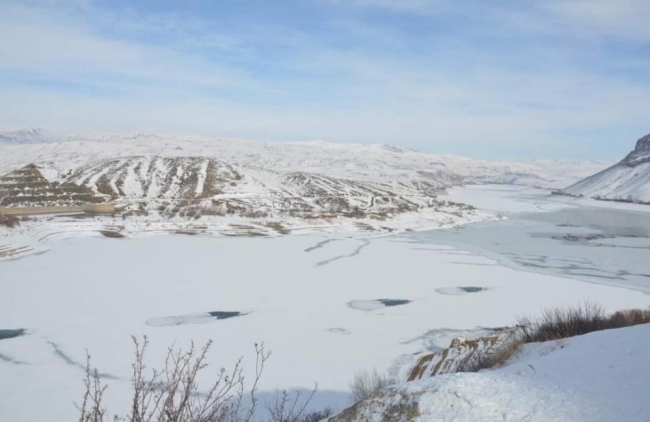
(602, 376)
(627, 181)
(168, 183)
(374, 163)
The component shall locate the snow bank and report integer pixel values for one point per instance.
(602, 376)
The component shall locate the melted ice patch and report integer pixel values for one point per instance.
(199, 318)
(458, 291)
(7, 334)
(373, 305)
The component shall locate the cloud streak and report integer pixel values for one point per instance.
(492, 80)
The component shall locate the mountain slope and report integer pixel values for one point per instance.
(372, 163)
(204, 184)
(627, 181)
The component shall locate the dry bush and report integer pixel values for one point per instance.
(559, 323)
(367, 383)
(293, 408)
(215, 211)
(554, 324)
(317, 416)
(254, 214)
(9, 221)
(629, 318)
(172, 393)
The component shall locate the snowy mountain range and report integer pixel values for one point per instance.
(627, 181)
(180, 175)
(372, 162)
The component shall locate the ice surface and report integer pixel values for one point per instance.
(94, 293)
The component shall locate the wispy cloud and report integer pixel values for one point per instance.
(477, 77)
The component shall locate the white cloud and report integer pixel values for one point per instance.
(622, 18)
(412, 6)
(380, 91)
(51, 46)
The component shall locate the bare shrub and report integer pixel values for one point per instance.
(367, 383)
(172, 394)
(554, 324)
(318, 416)
(92, 408)
(559, 323)
(254, 214)
(111, 234)
(629, 318)
(292, 407)
(9, 221)
(215, 211)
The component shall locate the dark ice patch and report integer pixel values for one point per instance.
(7, 334)
(471, 289)
(394, 302)
(225, 315)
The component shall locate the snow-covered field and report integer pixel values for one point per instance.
(326, 304)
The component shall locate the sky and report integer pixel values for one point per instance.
(487, 79)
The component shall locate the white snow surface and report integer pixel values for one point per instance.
(93, 293)
(601, 376)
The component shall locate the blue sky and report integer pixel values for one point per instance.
(489, 79)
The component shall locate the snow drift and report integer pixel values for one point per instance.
(601, 376)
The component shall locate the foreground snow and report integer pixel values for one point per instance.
(300, 295)
(602, 376)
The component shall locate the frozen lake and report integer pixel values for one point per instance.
(327, 306)
(549, 235)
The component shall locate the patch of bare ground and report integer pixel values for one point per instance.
(111, 234)
(278, 227)
(365, 227)
(242, 227)
(243, 230)
(320, 217)
(26, 187)
(9, 221)
(8, 251)
(187, 232)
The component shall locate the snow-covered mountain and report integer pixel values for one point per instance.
(627, 181)
(172, 175)
(376, 163)
(30, 136)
